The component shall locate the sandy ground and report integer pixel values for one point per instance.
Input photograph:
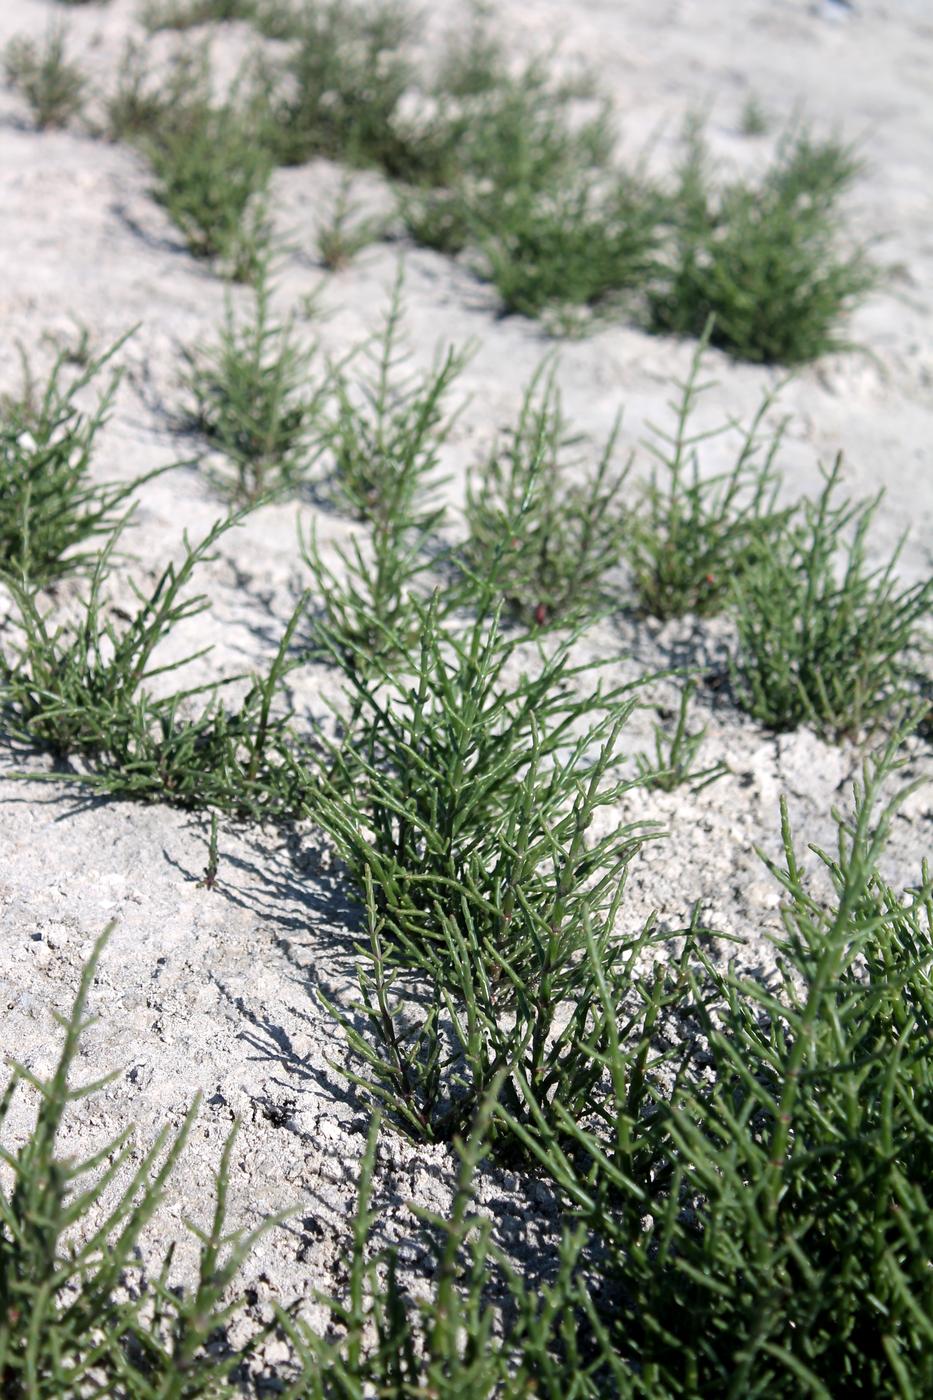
(216, 991)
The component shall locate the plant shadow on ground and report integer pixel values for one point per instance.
(287, 884)
(76, 801)
(396, 1224)
(688, 646)
(274, 1046)
(36, 786)
(163, 240)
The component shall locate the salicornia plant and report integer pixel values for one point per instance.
(67, 685)
(762, 1201)
(754, 120)
(385, 439)
(343, 233)
(143, 106)
(500, 137)
(253, 397)
(367, 609)
(694, 533)
(546, 530)
(85, 1312)
(77, 1314)
(457, 1340)
(673, 761)
(462, 802)
(568, 253)
(51, 84)
(390, 422)
(764, 260)
(52, 513)
(516, 175)
(84, 690)
(344, 81)
(211, 171)
(185, 14)
(824, 638)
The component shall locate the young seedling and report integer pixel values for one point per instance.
(342, 235)
(253, 398)
(546, 533)
(386, 458)
(209, 879)
(391, 424)
(52, 86)
(674, 754)
(692, 535)
(754, 118)
(50, 509)
(765, 261)
(367, 609)
(823, 638)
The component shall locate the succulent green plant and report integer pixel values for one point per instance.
(757, 1175)
(70, 1231)
(86, 1310)
(142, 105)
(211, 174)
(672, 762)
(253, 398)
(51, 84)
(823, 637)
(390, 420)
(83, 690)
(548, 532)
(53, 514)
(186, 14)
(343, 234)
(765, 261)
(692, 534)
(520, 179)
(348, 71)
(571, 254)
(461, 802)
(754, 116)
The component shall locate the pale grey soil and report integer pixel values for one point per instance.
(215, 992)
